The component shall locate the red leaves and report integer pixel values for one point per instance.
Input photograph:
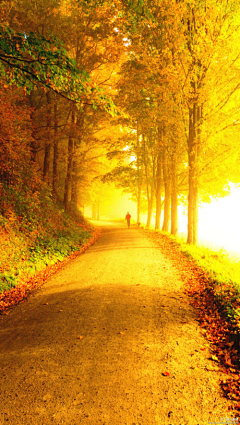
(13, 296)
(165, 373)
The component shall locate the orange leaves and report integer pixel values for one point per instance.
(231, 386)
(15, 135)
(216, 326)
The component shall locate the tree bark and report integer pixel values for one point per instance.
(74, 196)
(193, 154)
(149, 185)
(68, 180)
(158, 192)
(174, 197)
(94, 210)
(138, 180)
(47, 149)
(150, 207)
(55, 152)
(98, 210)
(167, 196)
(33, 140)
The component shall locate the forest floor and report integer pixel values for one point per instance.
(110, 339)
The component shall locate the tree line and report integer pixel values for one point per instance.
(141, 93)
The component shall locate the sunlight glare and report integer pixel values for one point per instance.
(219, 222)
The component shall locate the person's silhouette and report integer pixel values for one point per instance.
(128, 216)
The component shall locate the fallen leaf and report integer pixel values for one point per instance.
(214, 358)
(80, 337)
(122, 333)
(166, 374)
(212, 368)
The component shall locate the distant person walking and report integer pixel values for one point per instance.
(128, 219)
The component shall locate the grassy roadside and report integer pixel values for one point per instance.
(212, 281)
(223, 275)
(30, 282)
(22, 257)
(26, 252)
(36, 237)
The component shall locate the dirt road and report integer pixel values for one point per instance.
(110, 339)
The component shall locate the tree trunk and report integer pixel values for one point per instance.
(158, 192)
(193, 154)
(94, 210)
(98, 210)
(55, 152)
(74, 183)
(174, 197)
(138, 180)
(33, 139)
(68, 180)
(148, 186)
(150, 208)
(167, 196)
(47, 150)
(139, 205)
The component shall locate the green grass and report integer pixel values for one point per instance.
(223, 271)
(21, 260)
(34, 233)
(219, 264)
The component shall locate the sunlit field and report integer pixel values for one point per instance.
(219, 222)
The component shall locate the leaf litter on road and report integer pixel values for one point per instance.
(222, 334)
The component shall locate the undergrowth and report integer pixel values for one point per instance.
(35, 232)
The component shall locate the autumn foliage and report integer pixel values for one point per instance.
(51, 107)
(217, 306)
(142, 93)
(14, 137)
(34, 231)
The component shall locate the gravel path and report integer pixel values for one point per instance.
(110, 339)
